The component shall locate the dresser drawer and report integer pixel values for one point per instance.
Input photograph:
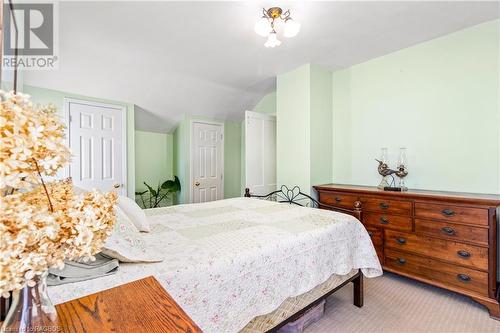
(453, 231)
(387, 206)
(448, 274)
(451, 213)
(462, 254)
(376, 235)
(395, 222)
(337, 199)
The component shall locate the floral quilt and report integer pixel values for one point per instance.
(229, 261)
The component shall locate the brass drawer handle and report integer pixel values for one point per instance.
(448, 230)
(383, 220)
(383, 205)
(401, 240)
(464, 254)
(464, 277)
(401, 261)
(337, 199)
(448, 212)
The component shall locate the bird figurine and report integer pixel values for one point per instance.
(384, 170)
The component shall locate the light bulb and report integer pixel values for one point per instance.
(292, 28)
(272, 41)
(262, 27)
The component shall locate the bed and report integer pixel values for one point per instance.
(245, 264)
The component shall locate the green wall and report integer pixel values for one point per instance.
(321, 151)
(267, 104)
(440, 99)
(232, 159)
(153, 158)
(46, 96)
(232, 156)
(242, 159)
(292, 128)
(181, 158)
(304, 126)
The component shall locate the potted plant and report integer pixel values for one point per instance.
(152, 198)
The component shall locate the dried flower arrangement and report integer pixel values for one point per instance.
(42, 224)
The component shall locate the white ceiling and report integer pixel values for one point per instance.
(203, 58)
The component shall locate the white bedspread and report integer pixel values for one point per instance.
(229, 261)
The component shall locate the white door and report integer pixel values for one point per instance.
(207, 162)
(97, 141)
(260, 152)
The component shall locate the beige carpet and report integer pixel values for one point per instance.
(398, 304)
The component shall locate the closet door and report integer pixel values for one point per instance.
(97, 138)
(260, 152)
(207, 162)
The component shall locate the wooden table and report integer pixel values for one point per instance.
(139, 306)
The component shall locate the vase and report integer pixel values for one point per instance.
(402, 168)
(31, 310)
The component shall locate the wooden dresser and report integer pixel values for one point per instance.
(442, 238)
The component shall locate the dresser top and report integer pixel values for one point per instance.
(478, 198)
(138, 306)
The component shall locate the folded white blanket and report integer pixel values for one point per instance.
(81, 271)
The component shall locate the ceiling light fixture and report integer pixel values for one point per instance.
(266, 26)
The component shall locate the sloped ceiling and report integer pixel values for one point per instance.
(203, 58)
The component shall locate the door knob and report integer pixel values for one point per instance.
(197, 184)
(116, 185)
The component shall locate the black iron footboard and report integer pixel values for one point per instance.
(297, 197)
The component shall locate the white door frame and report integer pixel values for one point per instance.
(120, 108)
(191, 155)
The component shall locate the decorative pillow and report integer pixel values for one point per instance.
(134, 212)
(126, 243)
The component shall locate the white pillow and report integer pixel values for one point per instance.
(134, 212)
(126, 243)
